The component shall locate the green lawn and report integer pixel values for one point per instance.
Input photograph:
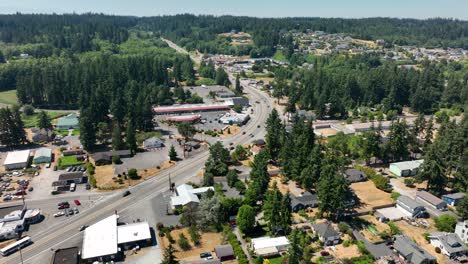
(277, 260)
(68, 161)
(8, 97)
(279, 56)
(31, 121)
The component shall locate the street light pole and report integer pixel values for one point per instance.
(21, 254)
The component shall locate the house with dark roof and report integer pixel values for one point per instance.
(448, 243)
(431, 200)
(412, 252)
(304, 201)
(327, 233)
(224, 252)
(72, 177)
(453, 199)
(152, 143)
(41, 135)
(410, 207)
(105, 157)
(355, 175)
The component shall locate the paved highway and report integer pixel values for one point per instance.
(53, 236)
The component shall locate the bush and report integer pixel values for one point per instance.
(232, 239)
(92, 181)
(194, 235)
(28, 110)
(409, 182)
(170, 238)
(362, 248)
(116, 160)
(90, 168)
(394, 230)
(395, 195)
(133, 174)
(346, 243)
(183, 242)
(379, 180)
(446, 223)
(343, 227)
(426, 237)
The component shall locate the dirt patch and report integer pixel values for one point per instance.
(369, 195)
(232, 129)
(417, 234)
(209, 241)
(341, 252)
(105, 179)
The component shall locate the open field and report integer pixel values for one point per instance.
(105, 179)
(369, 195)
(208, 241)
(8, 97)
(31, 121)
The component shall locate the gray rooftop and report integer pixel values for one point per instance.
(408, 202)
(428, 197)
(450, 241)
(325, 230)
(455, 196)
(412, 251)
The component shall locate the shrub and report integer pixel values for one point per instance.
(446, 223)
(170, 238)
(346, 243)
(409, 182)
(426, 237)
(343, 227)
(379, 180)
(28, 110)
(194, 235)
(183, 242)
(116, 160)
(395, 195)
(90, 168)
(394, 230)
(232, 239)
(133, 174)
(362, 248)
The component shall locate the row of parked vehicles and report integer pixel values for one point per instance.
(65, 206)
(76, 169)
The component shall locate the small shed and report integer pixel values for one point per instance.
(225, 252)
(43, 155)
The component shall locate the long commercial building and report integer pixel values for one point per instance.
(192, 108)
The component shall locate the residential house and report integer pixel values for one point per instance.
(152, 143)
(410, 207)
(185, 194)
(405, 168)
(269, 246)
(304, 201)
(72, 177)
(224, 252)
(448, 243)
(41, 135)
(43, 155)
(354, 175)
(327, 233)
(71, 152)
(461, 229)
(411, 252)
(431, 200)
(67, 122)
(454, 198)
(105, 157)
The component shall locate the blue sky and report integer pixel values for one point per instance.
(260, 8)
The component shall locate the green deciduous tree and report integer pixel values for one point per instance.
(245, 219)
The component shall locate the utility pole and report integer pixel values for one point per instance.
(21, 254)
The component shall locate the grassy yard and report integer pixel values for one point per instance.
(279, 56)
(8, 97)
(75, 132)
(68, 161)
(277, 260)
(31, 121)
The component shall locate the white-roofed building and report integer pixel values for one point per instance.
(234, 118)
(406, 168)
(186, 194)
(269, 246)
(105, 241)
(17, 159)
(100, 240)
(133, 234)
